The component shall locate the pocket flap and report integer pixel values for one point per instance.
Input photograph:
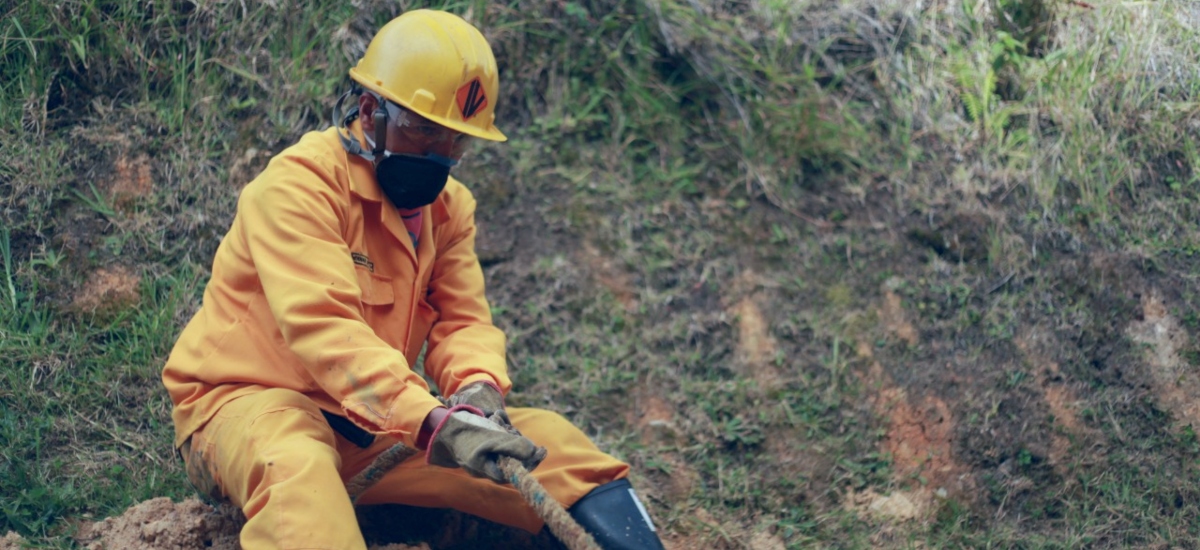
(376, 289)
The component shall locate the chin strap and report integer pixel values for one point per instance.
(342, 123)
(381, 122)
(380, 117)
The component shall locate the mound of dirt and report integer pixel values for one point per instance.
(160, 524)
(11, 541)
(163, 524)
(108, 290)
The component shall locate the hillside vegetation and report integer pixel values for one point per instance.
(827, 273)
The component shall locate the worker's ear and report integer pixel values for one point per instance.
(366, 111)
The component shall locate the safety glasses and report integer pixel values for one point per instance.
(423, 133)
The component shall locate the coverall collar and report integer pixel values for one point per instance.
(363, 184)
(362, 173)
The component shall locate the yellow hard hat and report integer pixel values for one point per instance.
(438, 66)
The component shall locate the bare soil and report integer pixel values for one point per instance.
(987, 400)
(980, 400)
(999, 360)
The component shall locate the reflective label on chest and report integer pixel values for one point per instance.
(362, 260)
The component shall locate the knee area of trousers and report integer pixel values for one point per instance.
(282, 398)
(293, 439)
(541, 419)
(287, 457)
(291, 416)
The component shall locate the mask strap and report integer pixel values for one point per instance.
(444, 161)
(381, 120)
(380, 117)
(341, 123)
(352, 145)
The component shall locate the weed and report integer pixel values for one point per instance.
(709, 152)
(6, 255)
(95, 201)
(1030, 22)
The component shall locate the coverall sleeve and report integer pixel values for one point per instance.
(464, 346)
(293, 217)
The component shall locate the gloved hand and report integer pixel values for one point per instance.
(484, 396)
(467, 440)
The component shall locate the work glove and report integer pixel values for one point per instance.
(484, 396)
(467, 440)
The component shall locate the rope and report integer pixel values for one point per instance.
(381, 465)
(557, 519)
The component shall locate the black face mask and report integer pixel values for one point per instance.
(412, 181)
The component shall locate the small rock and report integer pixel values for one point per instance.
(895, 506)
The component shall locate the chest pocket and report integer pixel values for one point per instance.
(377, 290)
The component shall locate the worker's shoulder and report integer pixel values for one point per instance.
(316, 160)
(455, 202)
(316, 147)
(456, 195)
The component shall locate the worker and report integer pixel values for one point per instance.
(348, 254)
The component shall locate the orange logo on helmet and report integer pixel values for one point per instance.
(471, 99)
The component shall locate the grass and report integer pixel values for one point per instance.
(81, 427)
(1018, 172)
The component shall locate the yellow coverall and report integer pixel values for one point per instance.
(318, 301)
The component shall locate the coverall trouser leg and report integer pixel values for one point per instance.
(273, 455)
(572, 468)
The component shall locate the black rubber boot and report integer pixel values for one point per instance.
(616, 518)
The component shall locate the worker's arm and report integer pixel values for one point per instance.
(464, 345)
(293, 223)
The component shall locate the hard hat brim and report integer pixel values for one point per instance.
(491, 133)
